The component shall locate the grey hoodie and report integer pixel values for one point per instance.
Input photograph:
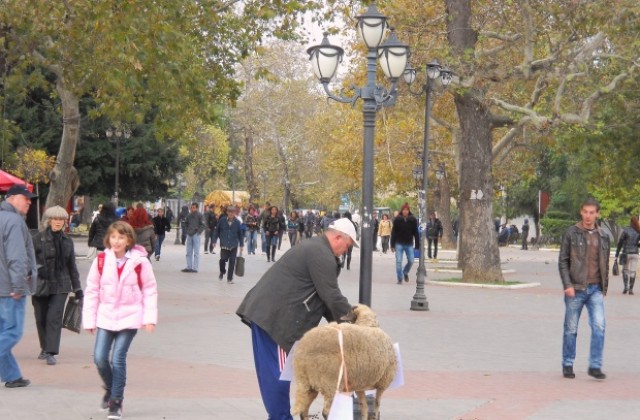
(17, 258)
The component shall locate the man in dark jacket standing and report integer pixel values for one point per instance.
(229, 230)
(289, 300)
(404, 238)
(17, 274)
(434, 232)
(584, 270)
(194, 226)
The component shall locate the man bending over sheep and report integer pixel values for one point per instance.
(289, 300)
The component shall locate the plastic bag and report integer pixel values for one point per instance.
(72, 318)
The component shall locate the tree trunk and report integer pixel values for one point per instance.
(479, 254)
(64, 176)
(444, 213)
(252, 182)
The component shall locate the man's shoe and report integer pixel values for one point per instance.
(104, 404)
(51, 360)
(567, 372)
(206, 252)
(268, 259)
(157, 257)
(220, 276)
(193, 271)
(596, 373)
(18, 383)
(115, 409)
(186, 270)
(43, 355)
(406, 278)
(399, 282)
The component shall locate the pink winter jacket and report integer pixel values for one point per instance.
(116, 304)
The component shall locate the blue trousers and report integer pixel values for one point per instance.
(593, 299)
(269, 360)
(11, 328)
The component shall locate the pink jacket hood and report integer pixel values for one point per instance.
(126, 302)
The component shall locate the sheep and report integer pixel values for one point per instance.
(369, 357)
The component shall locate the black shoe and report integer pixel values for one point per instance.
(268, 259)
(399, 282)
(186, 270)
(406, 278)
(193, 271)
(51, 360)
(596, 373)
(43, 355)
(220, 276)
(115, 409)
(104, 404)
(18, 383)
(157, 257)
(567, 372)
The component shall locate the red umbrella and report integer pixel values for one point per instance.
(7, 181)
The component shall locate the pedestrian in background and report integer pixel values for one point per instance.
(272, 230)
(145, 235)
(229, 231)
(384, 231)
(266, 209)
(584, 269)
(290, 299)
(57, 270)
(283, 227)
(434, 232)
(375, 224)
(525, 235)
(194, 226)
(161, 225)
(293, 226)
(100, 225)
(251, 221)
(17, 275)
(404, 239)
(346, 257)
(628, 244)
(120, 298)
(210, 221)
(182, 221)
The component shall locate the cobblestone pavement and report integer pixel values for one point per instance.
(476, 354)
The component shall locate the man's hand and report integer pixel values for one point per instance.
(570, 292)
(16, 296)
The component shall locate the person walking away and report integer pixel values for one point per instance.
(182, 222)
(266, 209)
(252, 230)
(375, 224)
(293, 225)
(121, 297)
(346, 257)
(384, 231)
(100, 225)
(404, 238)
(229, 231)
(309, 222)
(584, 269)
(525, 235)
(17, 274)
(194, 226)
(145, 235)
(161, 225)
(290, 299)
(210, 221)
(628, 244)
(434, 232)
(271, 230)
(56, 260)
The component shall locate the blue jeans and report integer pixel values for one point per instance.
(403, 249)
(114, 373)
(252, 241)
(193, 251)
(593, 299)
(11, 328)
(159, 241)
(263, 236)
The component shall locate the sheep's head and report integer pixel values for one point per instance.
(361, 315)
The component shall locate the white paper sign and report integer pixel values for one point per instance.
(398, 381)
(341, 407)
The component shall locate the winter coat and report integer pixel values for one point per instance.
(628, 242)
(146, 237)
(434, 229)
(161, 225)
(573, 255)
(61, 278)
(405, 231)
(230, 234)
(210, 220)
(194, 223)
(17, 259)
(98, 229)
(384, 229)
(118, 302)
(272, 224)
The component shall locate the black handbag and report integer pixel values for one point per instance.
(240, 266)
(72, 318)
(614, 270)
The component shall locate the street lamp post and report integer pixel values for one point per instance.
(180, 183)
(393, 57)
(434, 71)
(116, 135)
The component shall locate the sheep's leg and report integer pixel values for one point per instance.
(304, 398)
(363, 404)
(376, 405)
(328, 400)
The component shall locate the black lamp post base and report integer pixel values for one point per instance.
(419, 305)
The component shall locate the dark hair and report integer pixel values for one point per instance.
(590, 201)
(385, 215)
(194, 204)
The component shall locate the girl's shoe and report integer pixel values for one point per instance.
(115, 409)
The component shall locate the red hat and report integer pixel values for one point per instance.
(405, 206)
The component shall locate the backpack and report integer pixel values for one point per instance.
(138, 268)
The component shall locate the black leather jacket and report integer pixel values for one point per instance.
(572, 259)
(628, 241)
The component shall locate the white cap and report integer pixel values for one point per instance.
(345, 226)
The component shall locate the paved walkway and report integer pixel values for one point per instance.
(477, 354)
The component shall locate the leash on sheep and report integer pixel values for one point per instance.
(343, 366)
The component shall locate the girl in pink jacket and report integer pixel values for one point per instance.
(121, 297)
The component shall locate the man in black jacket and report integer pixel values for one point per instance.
(210, 221)
(289, 300)
(434, 232)
(404, 237)
(161, 226)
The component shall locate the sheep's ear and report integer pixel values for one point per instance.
(350, 317)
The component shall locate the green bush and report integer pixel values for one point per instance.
(558, 214)
(555, 228)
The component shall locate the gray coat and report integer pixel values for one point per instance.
(295, 293)
(194, 223)
(17, 258)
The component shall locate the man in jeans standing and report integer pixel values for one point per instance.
(17, 269)
(584, 270)
(229, 230)
(194, 225)
(404, 237)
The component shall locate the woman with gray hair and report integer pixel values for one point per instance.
(57, 276)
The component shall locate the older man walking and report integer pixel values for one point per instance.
(17, 269)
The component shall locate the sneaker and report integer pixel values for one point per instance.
(51, 360)
(406, 278)
(186, 270)
(567, 372)
(596, 373)
(18, 383)
(104, 404)
(220, 276)
(115, 409)
(43, 355)
(157, 257)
